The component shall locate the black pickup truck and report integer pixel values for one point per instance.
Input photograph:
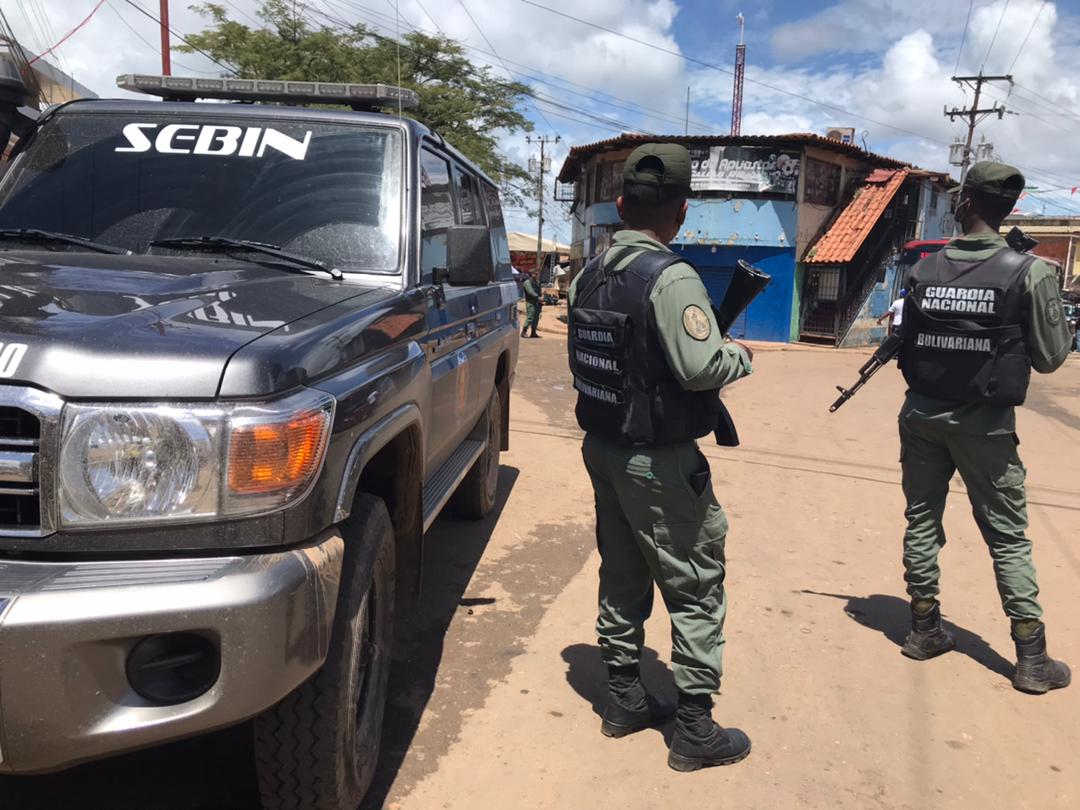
(248, 352)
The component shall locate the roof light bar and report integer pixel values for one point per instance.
(183, 88)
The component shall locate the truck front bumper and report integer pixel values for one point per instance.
(67, 630)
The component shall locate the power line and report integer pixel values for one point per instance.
(70, 33)
(711, 66)
(1028, 35)
(180, 36)
(149, 44)
(963, 37)
(40, 41)
(538, 75)
(578, 114)
(468, 13)
(1054, 106)
(608, 122)
(46, 24)
(428, 15)
(237, 8)
(993, 39)
(693, 60)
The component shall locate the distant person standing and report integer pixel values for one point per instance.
(896, 311)
(979, 317)
(534, 302)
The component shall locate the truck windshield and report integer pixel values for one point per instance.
(332, 192)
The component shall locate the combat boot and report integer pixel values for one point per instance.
(629, 707)
(534, 334)
(1036, 672)
(699, 742)
(525, 332)
(927, 638)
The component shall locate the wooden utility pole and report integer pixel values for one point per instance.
(543, 140)
(166, 56)
(974, 115)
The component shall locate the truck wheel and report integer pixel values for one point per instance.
(318, 748)
(475, 497)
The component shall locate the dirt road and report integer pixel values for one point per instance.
(498, 680)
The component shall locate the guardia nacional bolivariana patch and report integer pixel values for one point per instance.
(1053, 311)
(696, 322)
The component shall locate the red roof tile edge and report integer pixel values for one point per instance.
(844, 238)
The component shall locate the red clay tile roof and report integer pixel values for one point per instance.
(843, 240)
(579, 154)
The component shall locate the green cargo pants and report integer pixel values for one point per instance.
(657, 520)
(930, 452)
(532, 316)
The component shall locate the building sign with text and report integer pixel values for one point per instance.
(744, 168)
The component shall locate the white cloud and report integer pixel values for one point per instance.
(902, 93)
(858, 26)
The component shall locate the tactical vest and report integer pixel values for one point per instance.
(963, 329)
(626, 391)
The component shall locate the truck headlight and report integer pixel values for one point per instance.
(137, 463)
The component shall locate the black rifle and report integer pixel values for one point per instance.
(1020, 241)
(885, 352)
(747, 282)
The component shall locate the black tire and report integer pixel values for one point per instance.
(475, 496)
(318, 748)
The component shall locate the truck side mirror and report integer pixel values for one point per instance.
(468, 256)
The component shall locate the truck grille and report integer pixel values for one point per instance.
(28, 424)
(20, 495)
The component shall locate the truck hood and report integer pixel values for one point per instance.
(105, 326)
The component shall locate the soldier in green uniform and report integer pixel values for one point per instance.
(534, 302)
(978, 317)
(648, 360)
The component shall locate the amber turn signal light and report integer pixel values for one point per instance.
(274, 457)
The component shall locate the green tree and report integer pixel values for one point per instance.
(464, 103)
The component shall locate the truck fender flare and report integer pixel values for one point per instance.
(367, 445)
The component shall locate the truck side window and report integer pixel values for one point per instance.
(470, 206)
(436, 212)
(500, 250)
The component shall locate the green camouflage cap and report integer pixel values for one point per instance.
(673, 171)
(996, 179)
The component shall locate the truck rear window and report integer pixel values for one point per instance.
(329, 191)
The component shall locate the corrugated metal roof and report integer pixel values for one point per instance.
(578, 154)
(843, 240)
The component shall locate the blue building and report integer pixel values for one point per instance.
(767, 200)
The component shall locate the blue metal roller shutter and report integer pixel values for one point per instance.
(716, 281)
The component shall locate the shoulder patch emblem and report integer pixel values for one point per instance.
(1053, 311)
(696, 322)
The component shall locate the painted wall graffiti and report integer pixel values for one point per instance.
(744, 168)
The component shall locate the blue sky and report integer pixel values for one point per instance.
(885, 64)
